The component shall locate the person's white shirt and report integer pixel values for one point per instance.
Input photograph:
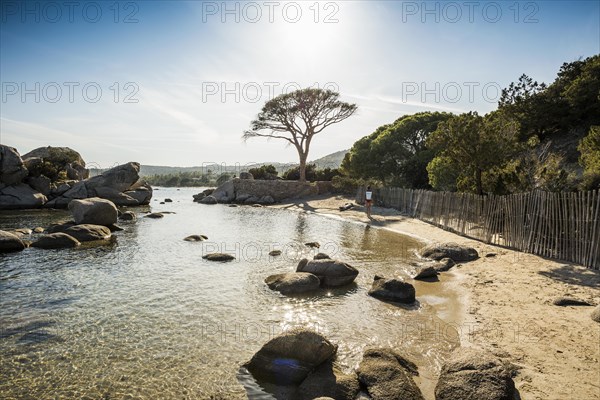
(368, 195)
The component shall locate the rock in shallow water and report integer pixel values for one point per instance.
(328, 382)
(95, 211)
(196, 238)
(57, 240)
(293, 282)
(425, 272)
(218, 257)
(9, 242)
(155, 215)
(332, 273)
(288, 358)
(395, 290)
(387, 375)
(88, 232)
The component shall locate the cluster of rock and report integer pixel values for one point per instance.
(302, 362)
(94, 220)
(440, 258)
(24, 182)
(310, 275)
(246, 190)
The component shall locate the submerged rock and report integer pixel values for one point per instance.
(9, 242)
(387, 375)
(471, 374)
(449, 250)
(395, 290)
(57, 240)
(313, 244)
(288, 358)
(331, 272)
(293, 282)
(155, 215)
(274, 253)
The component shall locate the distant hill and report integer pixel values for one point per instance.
(332, 160)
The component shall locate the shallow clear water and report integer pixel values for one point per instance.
(147, 317)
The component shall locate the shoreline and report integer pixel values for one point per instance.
(507, 305)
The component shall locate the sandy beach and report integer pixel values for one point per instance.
(507, 306)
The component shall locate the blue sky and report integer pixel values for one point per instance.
(180, 81)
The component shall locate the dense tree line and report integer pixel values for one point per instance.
(541, 136)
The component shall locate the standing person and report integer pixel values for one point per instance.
(368, 201)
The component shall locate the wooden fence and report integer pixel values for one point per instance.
(563, 226)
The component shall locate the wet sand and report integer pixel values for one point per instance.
(506, 306)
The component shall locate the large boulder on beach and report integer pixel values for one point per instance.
(94, 211)
(474, 375)
(395, 290)
(449, 250)
(20, 196)
(293, 282)
(9, 242)
(387, 375)
(88, 232)
(331, 272)
(12, 169)
(327, 381)
(288, 358)
(57, 240)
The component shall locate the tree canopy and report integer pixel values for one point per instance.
(298, 116)
(396, 153)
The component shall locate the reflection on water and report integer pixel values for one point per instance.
(147, 317)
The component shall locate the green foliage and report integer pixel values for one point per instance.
(471, 144)
(183, 179)
(267, 172)
(590, 158)
(571, 103)
(312, 173)
(396, 153)
(443, 173)
(348, 185)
